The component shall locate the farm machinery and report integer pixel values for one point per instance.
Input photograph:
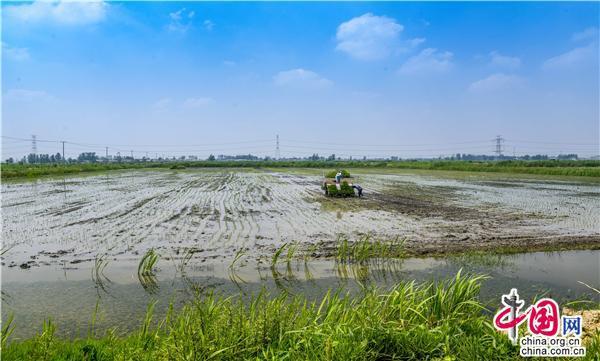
(340, 184)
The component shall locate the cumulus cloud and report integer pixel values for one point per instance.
(199, 102)
(504, 61)
(429, 60)
(368, 37)
(301, 78)
(16, 54)
(590, 33)
(208, 25)
(64, 12)
(572, 58)
(181, 20)
(495, 82)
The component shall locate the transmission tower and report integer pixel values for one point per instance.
(277, 154)
(33, 144)
(499, 142)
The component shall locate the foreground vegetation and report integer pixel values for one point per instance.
(585, 168)
(429, 321)
(410, 322)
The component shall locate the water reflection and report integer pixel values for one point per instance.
(69, 297)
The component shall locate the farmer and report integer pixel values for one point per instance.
(338, 177)
(358, 188)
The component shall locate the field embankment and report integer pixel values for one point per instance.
(579, 168)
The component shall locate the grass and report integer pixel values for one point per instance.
(584, 168)
(366, 249)
(428, 321)
(411, 321)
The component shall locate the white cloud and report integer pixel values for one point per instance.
(181, 20)
(162, 103)
(208, 25)
(229, 63)
(571, 58)
(368, 37)
(429, 60)
(589, 33)
(27, 95)
(64, 12)
(17, 54)
(495, 82)
(413, 43)
(503, 61)
(301, 78)
(199, 102)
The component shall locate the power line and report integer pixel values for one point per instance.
(14, 144)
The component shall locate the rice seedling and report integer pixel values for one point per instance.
(233, 276)
(365, 250)
(239, 254)
(146, 269)
(187, 257)
(443, 320)
(277, 254)
(483, 259)
(147, 263)
(98, 276)
(291, 251)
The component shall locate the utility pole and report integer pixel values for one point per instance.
(63, 144)
(277, 154)
(107, 154)
(498, 151)
(132, 155)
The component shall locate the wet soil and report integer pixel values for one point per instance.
(214, 213)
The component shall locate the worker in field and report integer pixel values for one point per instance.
(338, 177)
(358, 188)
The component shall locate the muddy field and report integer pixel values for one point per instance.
(214, 213)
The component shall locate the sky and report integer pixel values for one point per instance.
(355, 79)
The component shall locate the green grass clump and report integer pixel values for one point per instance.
(366, 249)
(429, 321)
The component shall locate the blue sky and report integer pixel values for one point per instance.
(406, 79)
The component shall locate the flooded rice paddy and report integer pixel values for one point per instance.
(55, 231)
